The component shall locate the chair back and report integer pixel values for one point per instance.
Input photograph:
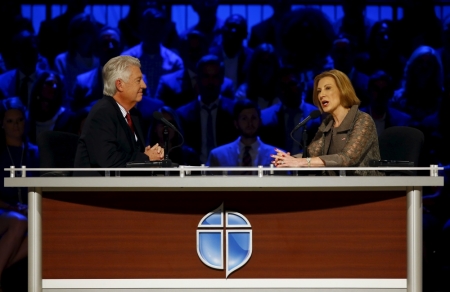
(401, 143)
(57, 150)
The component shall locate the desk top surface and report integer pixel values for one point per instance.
(226, 182)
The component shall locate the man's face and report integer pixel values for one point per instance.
(248, 122)
(235, 29)
(134, 87)
(210, 81)
(291, 90)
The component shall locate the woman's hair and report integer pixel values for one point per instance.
(10, 103)
(343, 83)
(117, 68)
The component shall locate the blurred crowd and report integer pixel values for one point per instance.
(400, 69)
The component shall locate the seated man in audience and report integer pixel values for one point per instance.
(208, 119)
(280, 119)
(180, 87)
(18, 81)
(248, 149)
(89, 85)
(232, 50)
(156, 59)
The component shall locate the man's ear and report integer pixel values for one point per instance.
(119, 85)
(236, 124)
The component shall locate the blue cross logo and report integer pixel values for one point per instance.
(238, 240)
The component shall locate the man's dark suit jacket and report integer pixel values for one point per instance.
(175, 89)
(191, 123)
(107, 140)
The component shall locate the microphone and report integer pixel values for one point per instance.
(313, 115)
(159, 116)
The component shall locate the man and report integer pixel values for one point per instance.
(279, 119)
(180, 87)
(248, 150)
(232, 51)
(89, 86)
(112, 135)
(209, 24)
(155, 58)
(19, 81)
(207, 120)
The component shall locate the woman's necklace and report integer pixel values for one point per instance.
(18, 174)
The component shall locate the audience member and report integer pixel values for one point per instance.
(419, 26)
(346, 137)
(13, 21)
(280, 119)
(15, 150)
(180, 87)
(266, 31)
(423, 85)
(383, 52)
(88, 86)
(18, 81)
(261, 84)
(381, 90)
(248, 149)
(354, 24)
(208, 23)
(232, 50)
(306, 38)
(343, 54)
(180, 154)
(46, 112)
(192, 47)
(80, 56)
(209, 118)
(129, 25)
(53, 35)
(112, 135)
(444, 51)
(156, 59)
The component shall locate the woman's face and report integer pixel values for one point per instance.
(160, 127)
(14, 123)
(328, 94)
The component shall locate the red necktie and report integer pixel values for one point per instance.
(130, 122)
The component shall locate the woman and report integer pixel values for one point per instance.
(14, 150)
(347, 137)
(183, 155)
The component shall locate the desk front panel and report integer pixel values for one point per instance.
(296, 234)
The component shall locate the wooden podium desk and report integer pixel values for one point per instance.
(308, 233)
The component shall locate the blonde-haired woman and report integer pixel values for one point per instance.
(347, 137)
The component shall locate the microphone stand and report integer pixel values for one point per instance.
(166, 161)
(304, 141)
